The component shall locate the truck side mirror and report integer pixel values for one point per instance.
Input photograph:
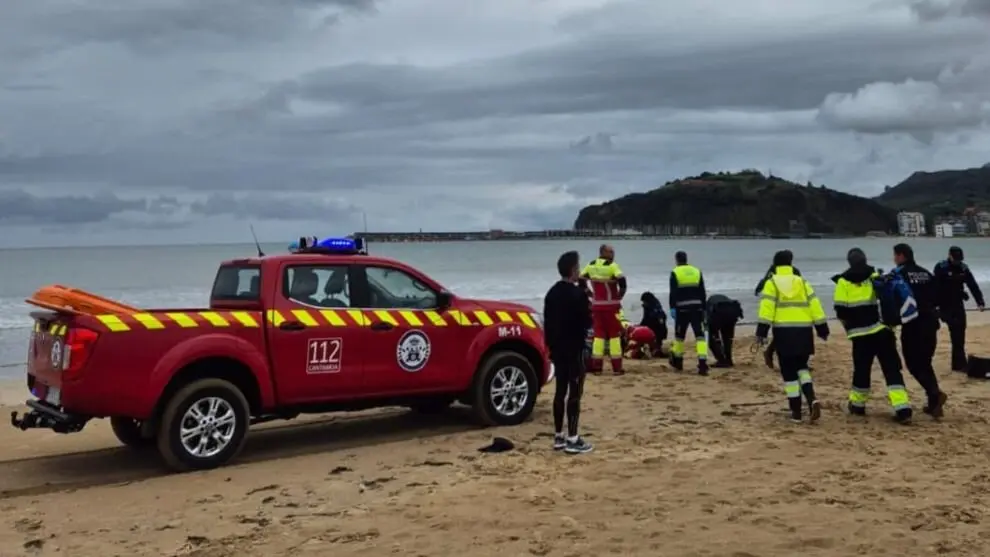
(444, 300)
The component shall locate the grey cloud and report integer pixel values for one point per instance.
(598, 143)
(935, 10)
(288, 207)
(20, 207)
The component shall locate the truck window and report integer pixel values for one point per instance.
(237, 282)
(392, 288)
(321, 286)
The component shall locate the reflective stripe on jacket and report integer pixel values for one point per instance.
(787, 301)
(856, 306)
(687, 288)
(603, 276)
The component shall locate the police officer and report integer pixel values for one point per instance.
(857, 308)
(919, 337)
(951, 275)
(687, 306)
(608, 286)
(789, 307)
(723, 314)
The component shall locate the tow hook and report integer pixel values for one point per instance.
(29, 421)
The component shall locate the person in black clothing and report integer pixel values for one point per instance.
(919, 337)
(951, 275)
(772, 346)
(566, 320)
(654, 318)
(723, 314)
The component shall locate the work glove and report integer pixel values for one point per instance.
(673, 314)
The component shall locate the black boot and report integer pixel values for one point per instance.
(768, 357)
(856, 410)
(935, 405)
(795, 405)
(903, 416)
(728, 353)
(702, 367)
(677, 362)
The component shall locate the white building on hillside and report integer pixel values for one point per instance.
(943, 230)
(910, 224)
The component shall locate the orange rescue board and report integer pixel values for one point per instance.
(72, 300)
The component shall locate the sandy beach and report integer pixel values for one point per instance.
(684, 466)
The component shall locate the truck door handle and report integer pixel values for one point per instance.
(291, 326)
(382, 326)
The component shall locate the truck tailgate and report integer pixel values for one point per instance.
(46, 354)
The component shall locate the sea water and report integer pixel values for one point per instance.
(520, 271)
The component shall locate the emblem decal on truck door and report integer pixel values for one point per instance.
(413, 351)
(323, 355)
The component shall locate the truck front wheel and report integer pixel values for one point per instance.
(128, 432)
(505, 389)
(204, 425)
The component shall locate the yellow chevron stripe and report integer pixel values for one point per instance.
(245, 318)
(359, 317)
(410, 318)
(274, 317)
(52, 328)
(149, 321)
(504, 316)
(483, 318)
(435, 318)
(113, 323)
(63, 330)
(182, 320)
(460, 318)
(526, 319)
(305, 317)
(37, 327)
(332, 318)
(386, 317)
(214, 318)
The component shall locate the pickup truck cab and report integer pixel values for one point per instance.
(325, 328)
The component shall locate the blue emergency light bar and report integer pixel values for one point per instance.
(330, 246)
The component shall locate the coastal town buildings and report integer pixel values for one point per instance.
(910, 224)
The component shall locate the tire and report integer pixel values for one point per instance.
(128, 432)
(229, 400)
(497, 369)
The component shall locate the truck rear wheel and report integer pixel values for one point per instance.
(128, 432)
(505, 389)
(204, 425)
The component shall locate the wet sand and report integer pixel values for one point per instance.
(684, 466)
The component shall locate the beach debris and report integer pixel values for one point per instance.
(498, 445)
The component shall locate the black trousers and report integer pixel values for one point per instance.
(720, 336)
(882, 347)
(955, 318)
(569, 375)
(693, 319)
(918, 341)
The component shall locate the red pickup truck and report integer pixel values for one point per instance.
(308, 332)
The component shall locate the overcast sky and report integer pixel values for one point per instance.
(159, 121)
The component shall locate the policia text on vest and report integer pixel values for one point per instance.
(688, 307)
(608, 286)
(857, 308)
(790, 308)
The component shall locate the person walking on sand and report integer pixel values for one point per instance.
(951, 275)
(567, 318)
(919, 336)
(857, 308)
(790, 308)
(769, 351)
(687, 307)
(608, 287)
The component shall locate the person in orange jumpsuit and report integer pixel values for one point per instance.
(607, 284)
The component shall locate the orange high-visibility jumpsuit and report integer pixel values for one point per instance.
(603, 277)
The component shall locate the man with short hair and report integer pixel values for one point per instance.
(566, 319)
(952, 277)
(919, 336)
(608, 286)
(687, 306)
